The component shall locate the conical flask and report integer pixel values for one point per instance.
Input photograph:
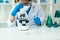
(57, 14)
(49, 21)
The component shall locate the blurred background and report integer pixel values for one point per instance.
(47, 5)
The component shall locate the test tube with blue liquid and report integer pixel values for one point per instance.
(43, 1)
(6, 1)
(55, 1)
(1, 1)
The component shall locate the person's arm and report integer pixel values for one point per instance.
(11, 18)
(14, 11)
(39, 18)
(12, 15)
(41, 15)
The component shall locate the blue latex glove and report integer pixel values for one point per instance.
(37, 20)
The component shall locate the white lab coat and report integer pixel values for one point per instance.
(36, 10)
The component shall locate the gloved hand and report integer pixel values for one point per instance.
(37, 20)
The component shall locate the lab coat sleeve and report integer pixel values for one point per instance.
(16, 9)
(41, 15)
(13, 12)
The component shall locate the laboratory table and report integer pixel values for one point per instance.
(34, 33)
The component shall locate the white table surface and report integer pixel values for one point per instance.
(35, 33)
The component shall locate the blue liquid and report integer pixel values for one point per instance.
(43, 1)
(56, 25)
(55, 1)
(1, 1)
(7, 1)
(57, 14)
